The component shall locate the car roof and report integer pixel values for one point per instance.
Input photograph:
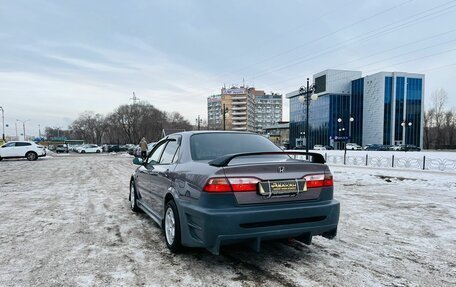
(21, 142)
(213, 132)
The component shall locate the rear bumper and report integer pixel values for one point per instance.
(212, 228)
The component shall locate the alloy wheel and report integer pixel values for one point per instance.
(170, 229)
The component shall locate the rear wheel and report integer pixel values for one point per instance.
(133, 202)
(98, 151)
(171, 227)
(31, 156)
(83, 151)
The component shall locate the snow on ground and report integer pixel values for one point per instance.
(65, 220)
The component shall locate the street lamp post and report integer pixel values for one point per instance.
(404, 126)
(305, 95)
(198, 122)
(224, 112)
(300, 137)
(342, 129)
(23, 126)
(3, 123)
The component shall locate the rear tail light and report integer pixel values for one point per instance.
(217, 185)
(235, 184)
(244, 184)
(319, 180)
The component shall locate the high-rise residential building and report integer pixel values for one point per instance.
(247, 109)
(383, 108)
(268, 110)
(214, 112)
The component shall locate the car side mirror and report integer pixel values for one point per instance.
(138, 161)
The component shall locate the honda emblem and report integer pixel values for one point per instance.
(281, 169)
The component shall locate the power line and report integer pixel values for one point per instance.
(366, 35)
(397, 47)
(313, 41)
(385, 59)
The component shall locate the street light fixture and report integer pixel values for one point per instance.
(305, 95)
(404, 126)
(3, 123)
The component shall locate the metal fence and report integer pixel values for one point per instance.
(423, 163)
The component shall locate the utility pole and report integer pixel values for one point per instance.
(39, 131)
(17, 138)
(3, 123)
(134, 99)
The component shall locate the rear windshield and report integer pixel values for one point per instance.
(213, 145)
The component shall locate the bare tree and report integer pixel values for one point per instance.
(439, 99)
(89, 126)
(428, 123)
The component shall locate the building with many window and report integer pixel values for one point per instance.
(268, 110)
(247, 109)
(383, 108)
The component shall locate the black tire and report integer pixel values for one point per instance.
(98, 151)
(31, 156)
(83, 151)
(176, 245)
(133, 203)
(1, 158)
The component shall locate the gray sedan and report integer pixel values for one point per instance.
(209, 189)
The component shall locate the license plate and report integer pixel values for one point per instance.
(282, 187)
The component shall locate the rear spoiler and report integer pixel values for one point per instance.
(225, 160)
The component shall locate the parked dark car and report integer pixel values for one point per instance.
(209, 189)
(328, 147)
(117, 148)
(299, 148)
(411, 147)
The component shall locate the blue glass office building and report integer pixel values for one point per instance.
(383, 108)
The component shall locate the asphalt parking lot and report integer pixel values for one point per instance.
(65, 220)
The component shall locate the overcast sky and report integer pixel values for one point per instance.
(61, 58)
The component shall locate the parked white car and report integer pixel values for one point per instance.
(319, 147)
(89, 148)
(20, 149)
(353, 146)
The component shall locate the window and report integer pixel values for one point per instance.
(169, 152)
(23, 144)
(213, 145)
(156, 153)
(8, 145)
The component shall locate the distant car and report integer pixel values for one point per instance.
(328, 147)
(89, 148)
(372, 147)
(353, 146)
(62, 148)
(209, 189)
(411, 147)
(117, 148)
(132, 149)
(20, 149)
(319, 147)
(137, 152)
(299, 148)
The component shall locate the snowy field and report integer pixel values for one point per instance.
(65, 220)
